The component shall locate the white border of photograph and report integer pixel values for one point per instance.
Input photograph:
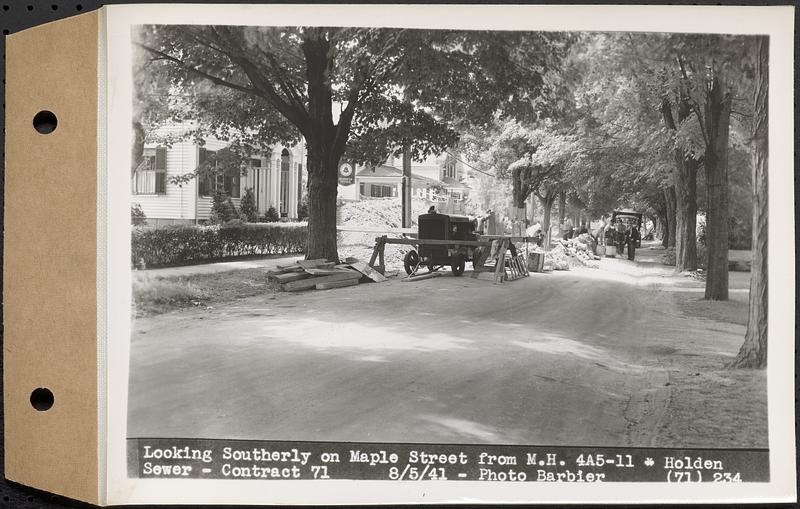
(777, 22)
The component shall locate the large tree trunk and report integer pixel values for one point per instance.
(322, 192)
(562, 207)
(547, 207)
(685, 213)
(717, 126)
(669, 224)
(137, 148)
(753, 353)
(519, 194)
(405, 198)
(325, 143)
(683, 220)
(532, 209)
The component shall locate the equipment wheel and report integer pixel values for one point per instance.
(411, 262)
(457, 264)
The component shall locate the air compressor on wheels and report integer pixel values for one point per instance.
(444, 227)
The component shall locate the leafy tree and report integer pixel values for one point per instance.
(138, 217)
(270, 84)
(247, 206)
(753, 352)
(222, 209)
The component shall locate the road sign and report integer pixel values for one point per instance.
(347, 174)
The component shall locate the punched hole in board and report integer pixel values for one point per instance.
(45, 122)
(42, 399)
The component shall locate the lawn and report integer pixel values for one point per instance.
(156, 295)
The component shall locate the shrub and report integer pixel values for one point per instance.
(248, 206)
(138, 218)
(272, 216)
(223, 209)
(180, 244)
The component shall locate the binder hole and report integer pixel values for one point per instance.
(5, 31)
(54, 7)
(30, 7)
(6, 7)
(79, 7)
(45, 122)
(42, 399)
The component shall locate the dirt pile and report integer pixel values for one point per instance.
(571, 253)
(375, 215)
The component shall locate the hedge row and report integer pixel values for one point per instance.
(179, 244)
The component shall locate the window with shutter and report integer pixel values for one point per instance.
(161, 170)
(151, 175)
(206, 183)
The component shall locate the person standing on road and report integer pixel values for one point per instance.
(633, 239)
(620, 241)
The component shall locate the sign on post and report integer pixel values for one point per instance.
(347, 174)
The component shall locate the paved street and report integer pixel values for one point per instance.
(578, 357)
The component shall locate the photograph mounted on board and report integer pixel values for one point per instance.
(419, 236)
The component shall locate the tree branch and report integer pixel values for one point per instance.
(214, 79)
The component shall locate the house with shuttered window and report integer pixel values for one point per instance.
(437, 178)
(276, 176)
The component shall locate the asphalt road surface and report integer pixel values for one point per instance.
(568, 358)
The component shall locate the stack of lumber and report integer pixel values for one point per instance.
(322, 274)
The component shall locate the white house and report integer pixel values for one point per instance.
(435, 178)
(276, 177)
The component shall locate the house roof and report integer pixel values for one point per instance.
(421, 180)
(452, 183)
(417, 180)
(380, 171)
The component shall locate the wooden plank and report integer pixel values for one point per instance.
(367, 229)
(272, 273)
(437, 242)
(289, 277)
(324, 271)
(311, 264)
(512, 239)
(369, 272)
(379, 241)
(421, 277)
(337, 284)
(305, 284)
(500, 270)
(282, 269)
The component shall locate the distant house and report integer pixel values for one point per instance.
(276, 176)
(435, 179)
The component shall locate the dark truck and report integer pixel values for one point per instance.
(629, 218)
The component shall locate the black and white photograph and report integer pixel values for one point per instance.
(495, 239)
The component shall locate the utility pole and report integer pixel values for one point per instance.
(406, 184)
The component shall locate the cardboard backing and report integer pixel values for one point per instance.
(49, 270)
